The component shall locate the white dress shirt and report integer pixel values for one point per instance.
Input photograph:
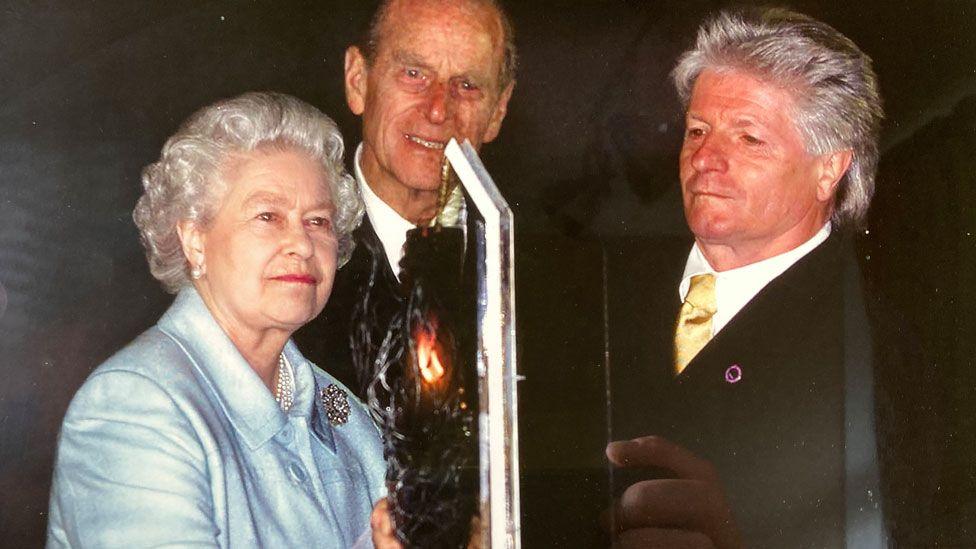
(391, 227)
(736, 287)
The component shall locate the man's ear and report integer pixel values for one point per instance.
(192, 240)
(355, 78)
(832, 169)
(498, 115)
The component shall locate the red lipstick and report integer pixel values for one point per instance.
(299, 278)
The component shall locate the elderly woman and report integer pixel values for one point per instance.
(211, 428)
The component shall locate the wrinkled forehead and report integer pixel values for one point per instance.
(411, 25)
(272, 169)
(745, 94)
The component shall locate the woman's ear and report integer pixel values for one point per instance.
(192, 239)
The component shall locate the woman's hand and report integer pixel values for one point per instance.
(475, 541)
(384, 538)
(382, 526)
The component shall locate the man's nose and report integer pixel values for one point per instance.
(711, 155)
(440, 103)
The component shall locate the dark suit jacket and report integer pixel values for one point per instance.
(776, 436)
(326, 340)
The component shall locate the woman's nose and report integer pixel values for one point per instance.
(299, 242)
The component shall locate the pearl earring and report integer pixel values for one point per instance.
(196, 272)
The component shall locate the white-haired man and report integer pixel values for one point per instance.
(749, 383)
(426, 71)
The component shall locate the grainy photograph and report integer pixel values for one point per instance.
(245, 300)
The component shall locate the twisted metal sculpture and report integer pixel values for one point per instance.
(413, 371)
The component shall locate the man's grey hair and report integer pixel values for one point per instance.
(186, 183)
(835, 90)
(370, 43)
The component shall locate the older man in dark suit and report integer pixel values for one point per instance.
(427, 71)
(775, 409)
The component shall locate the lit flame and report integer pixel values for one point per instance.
(428, 360)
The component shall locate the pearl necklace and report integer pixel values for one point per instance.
(284, 391)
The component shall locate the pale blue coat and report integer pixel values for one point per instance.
(176, 441)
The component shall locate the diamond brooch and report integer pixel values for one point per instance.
(336, 405)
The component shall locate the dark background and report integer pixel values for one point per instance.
(90, 90)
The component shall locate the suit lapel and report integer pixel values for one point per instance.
(370, 248)
(771, 325)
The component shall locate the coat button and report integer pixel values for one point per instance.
(286, 434)
(297, 473)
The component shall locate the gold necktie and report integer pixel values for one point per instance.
(694, 321)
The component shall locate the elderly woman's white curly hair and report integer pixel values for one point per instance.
(185, 183)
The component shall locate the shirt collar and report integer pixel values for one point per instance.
(736, 287)
(389, 226)
(248, 404)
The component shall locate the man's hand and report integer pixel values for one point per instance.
(689, 510)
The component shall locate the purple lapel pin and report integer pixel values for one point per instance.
(733, 374)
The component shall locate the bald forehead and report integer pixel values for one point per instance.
(480, 14)
(471, 8)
